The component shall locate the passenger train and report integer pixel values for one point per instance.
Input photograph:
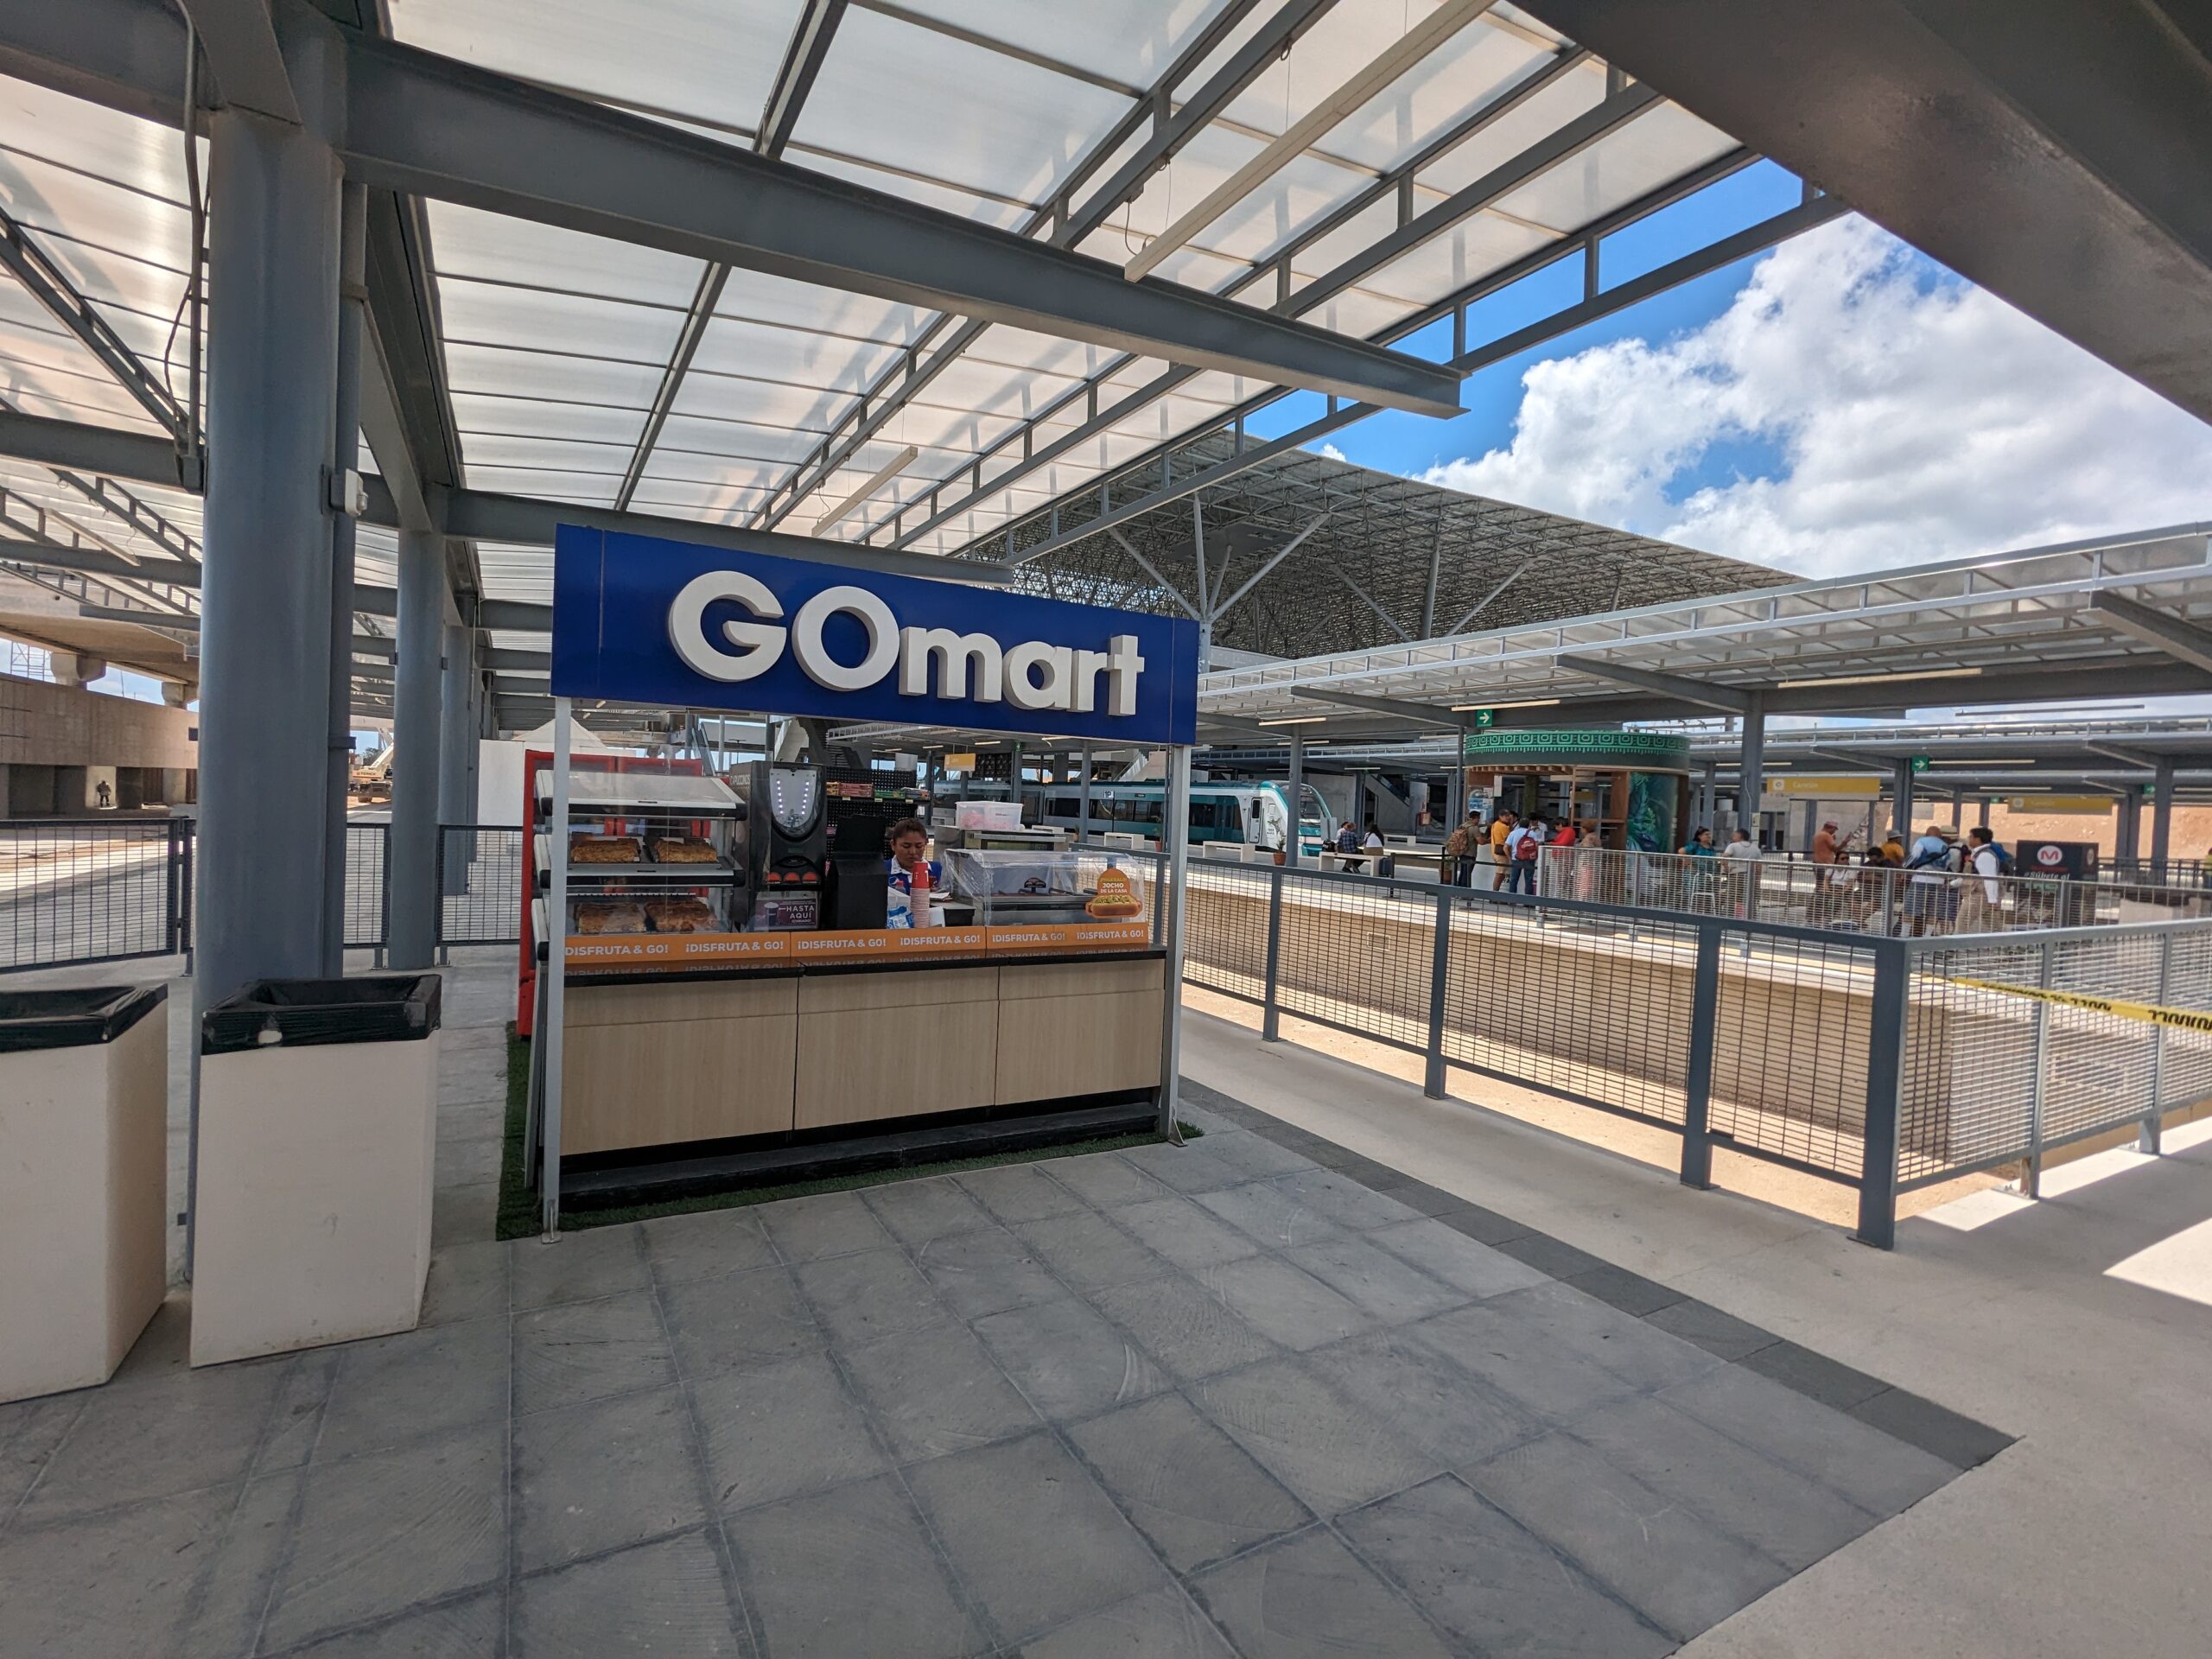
(1256, 814)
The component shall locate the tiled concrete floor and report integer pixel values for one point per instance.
(1222, 1399)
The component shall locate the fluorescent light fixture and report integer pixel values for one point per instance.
(891, 469)
(1299, 720)
(2009, 760)
(1881, 679)
(1525, 702)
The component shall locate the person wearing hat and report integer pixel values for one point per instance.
(1829, 851)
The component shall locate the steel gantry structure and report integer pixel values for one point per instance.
(848, 280)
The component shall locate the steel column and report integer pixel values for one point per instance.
(456, 739)
(1901, 813)
(265, 630)
(1270, 1009)
(1297, 799)
(1440, 973)
(352, 244)
(2148, 1132)
(2031, 1184)
(1697, 1081)
(411, 849)
(2162, 815)
(1707, 797)
(1885, 1046)
(1176, 834)
(1083, 812)
(1751, 779)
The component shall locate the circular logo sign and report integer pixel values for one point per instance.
(2050, 857)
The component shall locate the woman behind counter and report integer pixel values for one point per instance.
(909, 841)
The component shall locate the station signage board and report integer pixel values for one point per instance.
(643, 620)
(1831, 789)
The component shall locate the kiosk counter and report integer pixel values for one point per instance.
(705, 1004)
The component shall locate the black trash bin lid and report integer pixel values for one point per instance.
(72, 1018)
(287, 1013)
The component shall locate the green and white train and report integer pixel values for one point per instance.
(1254, 814)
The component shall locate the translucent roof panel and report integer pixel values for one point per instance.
(887, 87)
(710, 60)
(554, 346)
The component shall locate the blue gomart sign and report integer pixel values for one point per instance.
(639, 619)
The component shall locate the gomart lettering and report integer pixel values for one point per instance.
(1034, 675)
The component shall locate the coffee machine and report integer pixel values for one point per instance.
(854, 898)
(787, 845)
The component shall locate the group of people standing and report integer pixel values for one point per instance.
(1515, 845)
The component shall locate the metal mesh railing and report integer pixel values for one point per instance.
(480, 866)
(1792, 1044)
(93, 890)
(1855, 898)
(366, 918)
(1573, 1002)
(2019, 1045)
(1355, 954)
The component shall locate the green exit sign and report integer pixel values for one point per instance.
(1485, 718)
(1920, 763)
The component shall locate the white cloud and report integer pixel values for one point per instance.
(1914, 420)
(1332, 452)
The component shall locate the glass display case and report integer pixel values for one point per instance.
(647, 852)
(1048, 885)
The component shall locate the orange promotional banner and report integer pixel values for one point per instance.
(614, 952)
(1068, 936)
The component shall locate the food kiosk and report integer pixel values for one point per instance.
(1634, 786)
(703, 998)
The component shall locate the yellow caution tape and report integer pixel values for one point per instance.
(2185, 1018)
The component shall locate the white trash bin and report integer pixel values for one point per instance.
(318, 1136)
(83, 1178)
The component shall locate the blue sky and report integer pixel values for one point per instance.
(1840, 402)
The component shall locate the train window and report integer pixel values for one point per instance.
(1202, 814)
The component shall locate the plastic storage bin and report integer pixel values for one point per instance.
(318, 1134)
(84, 1134)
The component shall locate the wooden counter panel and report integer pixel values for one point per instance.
(587, 1004)
(653, 1084)
(1095, 1043)
(919, 987)
(857, 1065)
(1020, 982)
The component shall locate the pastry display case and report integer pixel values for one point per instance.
(647, 852)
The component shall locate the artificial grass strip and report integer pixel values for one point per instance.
(518, 1206)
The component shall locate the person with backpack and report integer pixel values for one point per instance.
(1460, 849)
(1983, 908)
(1923, 894)
(1521, 849)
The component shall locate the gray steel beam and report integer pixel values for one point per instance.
(2162, 811)
(1154, 571)
(105, 450)
(1271, 562)
(240, 43)
(809, 44)
(429, 125)
(46, 283)
(265, 633)
(1986, 132)
(1732, 699)
(491, 518)
(1483, 604)
(456, 740)
(1367, 600)
(1744, 243)
(2183, 641)
(410, 853)
(1059, 224)
(119, 504)
(1425, 713)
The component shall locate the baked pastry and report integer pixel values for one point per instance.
(610, 918)
(603, 849)
(679, 915)
(682, 849)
